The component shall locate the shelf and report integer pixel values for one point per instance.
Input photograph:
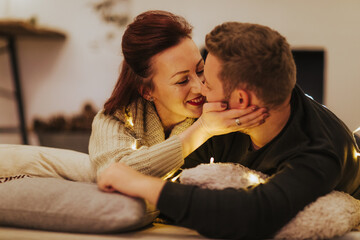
(9, 27)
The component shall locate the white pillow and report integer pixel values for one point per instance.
(19, 160)
(331, 215)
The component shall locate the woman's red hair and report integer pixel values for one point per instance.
(151, 33)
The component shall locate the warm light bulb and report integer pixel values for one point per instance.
(175, 178)
(130, 121)
(356, 154)
(133, 146)
(254, 179)
(211, 160)
(170, 175)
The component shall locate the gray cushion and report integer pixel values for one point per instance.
(62, 205)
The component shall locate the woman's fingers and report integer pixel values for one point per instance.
(250, 113)
(250, 118)
(250, 121)
(216, 120)
(238, 122)
(214, 107)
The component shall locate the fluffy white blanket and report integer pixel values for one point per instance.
(331, 215)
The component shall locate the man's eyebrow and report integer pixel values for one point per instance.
(186, 71)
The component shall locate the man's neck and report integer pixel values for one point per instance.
(273, 125)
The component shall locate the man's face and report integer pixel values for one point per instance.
(213, 88)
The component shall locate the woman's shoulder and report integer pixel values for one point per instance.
(131, 114)
(102, 115)
(119, 116)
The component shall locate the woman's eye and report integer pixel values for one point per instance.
(184, 81)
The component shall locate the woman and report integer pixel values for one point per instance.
(146, 121)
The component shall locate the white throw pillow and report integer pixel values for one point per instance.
(21, 160)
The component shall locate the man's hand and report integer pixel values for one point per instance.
(121, 178)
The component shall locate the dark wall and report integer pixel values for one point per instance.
(310, 72)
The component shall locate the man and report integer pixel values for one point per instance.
(305, 148)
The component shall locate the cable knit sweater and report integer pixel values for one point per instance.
(115, 136)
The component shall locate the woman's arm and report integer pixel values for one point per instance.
(216, 120)
(112, 142)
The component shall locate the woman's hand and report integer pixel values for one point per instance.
(121, 178)
(216, 120)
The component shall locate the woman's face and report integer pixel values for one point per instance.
(178, 74)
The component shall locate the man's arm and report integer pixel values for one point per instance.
(121, 178)
(256, 212)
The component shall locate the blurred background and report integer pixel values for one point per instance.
(64, 80)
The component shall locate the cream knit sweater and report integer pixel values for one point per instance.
(114, 138)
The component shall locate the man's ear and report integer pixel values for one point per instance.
(244, 98)
(240, 98)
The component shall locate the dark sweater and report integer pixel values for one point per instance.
(313, 155)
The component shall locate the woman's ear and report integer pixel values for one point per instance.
(148, 97)
(145, 93)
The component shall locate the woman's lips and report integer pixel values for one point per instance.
(197, 101)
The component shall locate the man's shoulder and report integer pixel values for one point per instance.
(312, 114)
(314, 125)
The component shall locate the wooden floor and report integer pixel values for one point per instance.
(154, 232)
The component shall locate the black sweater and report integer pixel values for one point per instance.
(314, 154)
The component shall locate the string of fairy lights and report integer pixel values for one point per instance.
(252, 178)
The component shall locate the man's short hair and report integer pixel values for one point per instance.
(253, 57)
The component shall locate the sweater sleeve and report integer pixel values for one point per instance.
(253, 213)
(111, 142)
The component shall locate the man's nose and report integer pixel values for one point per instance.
(203, 88)
(197, 85)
